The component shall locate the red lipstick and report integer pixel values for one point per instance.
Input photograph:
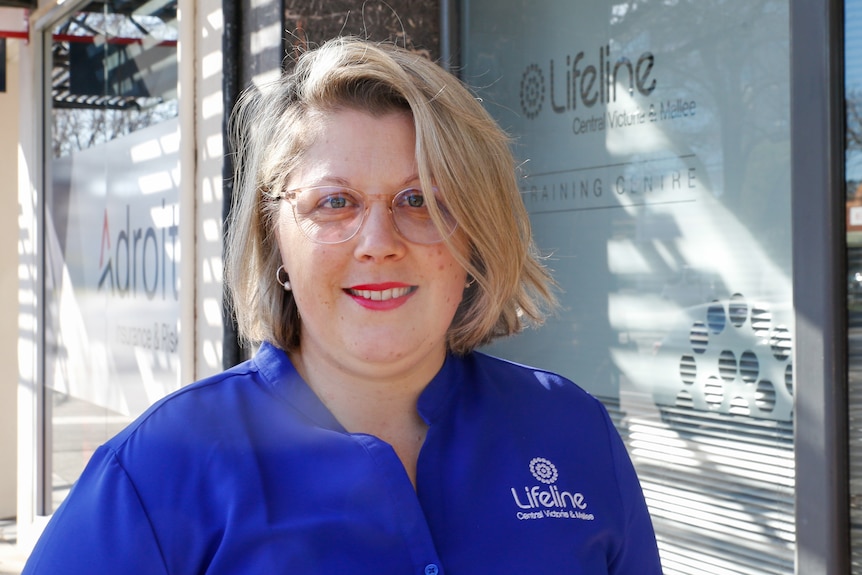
(381, 296)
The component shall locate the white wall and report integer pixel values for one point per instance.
(9, 283)
(28, 329)
(208, 185)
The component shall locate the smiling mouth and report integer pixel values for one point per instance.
(382, 295)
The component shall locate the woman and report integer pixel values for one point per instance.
(378, 238)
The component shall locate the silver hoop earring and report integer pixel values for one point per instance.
(286, 283)
(470, 283)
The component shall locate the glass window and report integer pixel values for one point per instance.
(111, 227)
(655, 144)
(853, 103)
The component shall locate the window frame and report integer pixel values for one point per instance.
(819, 290)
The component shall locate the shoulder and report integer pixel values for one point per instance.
(502, 373)
(528, 390)
(208, 407)
(186, 404)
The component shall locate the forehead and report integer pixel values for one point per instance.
(356, 148)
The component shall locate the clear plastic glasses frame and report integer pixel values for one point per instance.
(335, 214)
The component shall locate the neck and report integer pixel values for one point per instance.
(378, 400)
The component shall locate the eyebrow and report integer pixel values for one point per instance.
(343, 182)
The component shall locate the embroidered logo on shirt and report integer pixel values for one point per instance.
(548, 501)
(543, 470)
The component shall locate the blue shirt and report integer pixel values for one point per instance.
(247, 472)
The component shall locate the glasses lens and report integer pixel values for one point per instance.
(413, 217)
(328, 215)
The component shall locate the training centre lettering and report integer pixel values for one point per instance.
(588, 187)
(138, 261)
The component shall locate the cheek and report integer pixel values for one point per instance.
(281, 232)
(285, 226)
(292, 245)
(448, 267)
(316, 271)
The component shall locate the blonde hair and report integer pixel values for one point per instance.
(458, 146)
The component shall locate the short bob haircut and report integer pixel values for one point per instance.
(459, 148)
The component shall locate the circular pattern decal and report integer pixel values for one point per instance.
(543, 470)
(687, 369)
(735, 359)
(714, 392)
(765, 395)
(738, 309)
(727, 365)
(699, 337)
(532, 91)
(715, 317)
(749, 366)
(780, 343)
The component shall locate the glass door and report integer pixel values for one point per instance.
(111, 227)
(853, 198)
(655, 139)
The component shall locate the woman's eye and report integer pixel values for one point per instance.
(335, 202)
(413, 199)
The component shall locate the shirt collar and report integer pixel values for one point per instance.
(279, 373)
(276, 367)
(437, 395)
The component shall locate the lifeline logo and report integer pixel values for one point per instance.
(582, 84)
(549, 502)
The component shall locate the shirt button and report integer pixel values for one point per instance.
(431, 569)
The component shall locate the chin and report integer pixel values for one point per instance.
(383, 350)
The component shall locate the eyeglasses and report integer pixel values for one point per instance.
(334, 214)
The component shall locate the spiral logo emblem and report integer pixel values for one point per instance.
(543, 470)
(532, 91)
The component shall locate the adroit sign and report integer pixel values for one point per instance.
(115, 258)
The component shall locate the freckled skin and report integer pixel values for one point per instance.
(374, 155)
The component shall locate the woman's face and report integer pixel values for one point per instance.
(376, 300)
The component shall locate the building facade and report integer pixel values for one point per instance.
(691, 170)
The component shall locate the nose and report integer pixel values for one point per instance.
(378, 237)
